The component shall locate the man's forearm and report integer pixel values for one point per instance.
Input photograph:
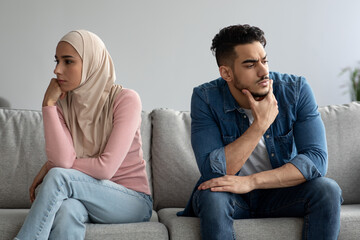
(237, 152)
(286, 176)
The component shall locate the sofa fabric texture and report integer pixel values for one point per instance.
(172, 173)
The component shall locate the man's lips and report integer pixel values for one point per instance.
(263, 83)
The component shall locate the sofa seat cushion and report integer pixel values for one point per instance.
(133, 231)
(350, 219)
(11, 221)
(261, 228)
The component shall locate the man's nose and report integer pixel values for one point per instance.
(263, 70)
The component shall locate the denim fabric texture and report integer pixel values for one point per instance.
(297, 136)
(317, 200)
(68, 199)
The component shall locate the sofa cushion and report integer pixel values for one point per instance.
(261, 228)
(350, 218)
(22, 153)
(146, 144)
(173, 163)
(342, 134)
(11, 221)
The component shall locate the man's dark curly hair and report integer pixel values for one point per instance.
(224, 42)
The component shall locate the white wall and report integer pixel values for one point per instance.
(161, 47)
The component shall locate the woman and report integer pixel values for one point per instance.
(95, 170)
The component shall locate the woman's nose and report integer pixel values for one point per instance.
(57, 69)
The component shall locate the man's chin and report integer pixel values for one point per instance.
(259, 96)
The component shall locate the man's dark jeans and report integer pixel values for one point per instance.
(317, 201)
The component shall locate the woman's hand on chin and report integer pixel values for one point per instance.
(53, 93)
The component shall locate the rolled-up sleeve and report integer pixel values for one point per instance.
(309, 135)
(206, 137)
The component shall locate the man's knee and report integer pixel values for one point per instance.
(213, 203)
(328, 191)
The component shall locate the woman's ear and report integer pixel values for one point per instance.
(226, 73)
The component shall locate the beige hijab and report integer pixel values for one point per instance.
(88, 109)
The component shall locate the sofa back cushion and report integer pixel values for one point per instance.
(146, 144)
(22, 153)
(173, 163)
(175, 171)
(343, 140)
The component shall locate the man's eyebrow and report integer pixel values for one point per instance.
(253, 60)
(250, 61)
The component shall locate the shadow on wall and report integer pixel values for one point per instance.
(4, 103)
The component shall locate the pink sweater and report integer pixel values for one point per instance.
(122, 160)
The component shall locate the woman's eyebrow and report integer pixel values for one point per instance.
(65, 56)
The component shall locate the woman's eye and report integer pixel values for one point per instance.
(68, 61)
(57, 61)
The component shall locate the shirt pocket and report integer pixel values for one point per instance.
(286, 146)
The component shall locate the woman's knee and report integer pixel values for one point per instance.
(56, 172)
(72, 208)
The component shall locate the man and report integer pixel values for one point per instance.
(259, 143)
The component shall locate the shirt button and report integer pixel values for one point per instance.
(272, 155)
(267, 136)
(244, 116)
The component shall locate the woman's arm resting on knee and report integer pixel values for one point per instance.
(37, 181)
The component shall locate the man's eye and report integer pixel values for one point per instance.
(250, 66)
(57, 61)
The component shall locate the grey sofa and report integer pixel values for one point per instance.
(172, 173)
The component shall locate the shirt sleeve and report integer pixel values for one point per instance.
(206, 138)
(309, 136)
(58, 142)
(59, 145)
(127, 120)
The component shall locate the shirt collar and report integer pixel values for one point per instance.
(230, 103)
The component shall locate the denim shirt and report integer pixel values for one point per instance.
(297, 135)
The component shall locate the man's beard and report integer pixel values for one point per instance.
(254, 94)
(258, 95)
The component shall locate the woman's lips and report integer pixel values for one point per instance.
(60, 81)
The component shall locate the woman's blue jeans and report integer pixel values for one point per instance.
(68, 199)
(318, 201)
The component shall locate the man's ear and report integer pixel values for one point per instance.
(226, 73)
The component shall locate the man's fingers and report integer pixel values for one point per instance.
(216, 182)
(221, 189)
(248, 95)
